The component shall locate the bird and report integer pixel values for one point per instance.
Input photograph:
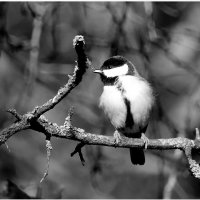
(127, 100)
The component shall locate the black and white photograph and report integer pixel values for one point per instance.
(99, 100)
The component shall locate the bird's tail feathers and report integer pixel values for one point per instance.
(137, 156)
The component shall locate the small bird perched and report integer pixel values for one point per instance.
(127, 100)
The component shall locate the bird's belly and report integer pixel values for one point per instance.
(140, 97)
(139, 93)
(112, 102)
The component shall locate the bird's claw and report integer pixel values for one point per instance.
(117, 137)
(145, 140)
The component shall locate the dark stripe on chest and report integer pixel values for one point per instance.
(131, 129)
(129, 117)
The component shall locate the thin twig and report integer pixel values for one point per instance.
(48, 148)
(68, 122)
(78, 150)
(15, 114)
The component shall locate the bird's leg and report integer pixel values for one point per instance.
(117, 137)
(145, 139)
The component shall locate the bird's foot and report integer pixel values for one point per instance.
(117, 137)
(145, 140)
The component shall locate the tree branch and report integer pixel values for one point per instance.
(78, 134)
(26, 120)
(36, 121)
(78, 150)
(79, 70)
(48, 148)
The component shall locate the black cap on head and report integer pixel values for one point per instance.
(114, 61)
(109, 77)
(117, 61)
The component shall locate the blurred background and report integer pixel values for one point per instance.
(36, 55)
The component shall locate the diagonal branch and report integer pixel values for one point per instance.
(6, 133)
(28, 120)
(36, 121)
(79, 70)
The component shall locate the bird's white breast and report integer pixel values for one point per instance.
(138, 91)
(111, 101)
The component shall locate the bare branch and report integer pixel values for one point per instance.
(81, 135)
(194, 166)
(78, 150)
(36, 121)
(68, 122)
(29, 120)
(48, 148)
(12, 129)
(79, 70)
(15, 114)
(77, 134)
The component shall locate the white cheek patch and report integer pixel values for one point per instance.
(117, 71)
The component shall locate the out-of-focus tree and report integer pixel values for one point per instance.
(161, 39)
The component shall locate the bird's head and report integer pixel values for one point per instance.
(115, 67)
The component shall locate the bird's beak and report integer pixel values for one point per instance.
(98, 71)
